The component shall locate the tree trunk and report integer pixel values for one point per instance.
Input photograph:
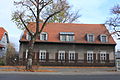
(29, 57)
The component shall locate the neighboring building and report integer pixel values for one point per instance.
(117, 54)
(71, 45)
(3, 41)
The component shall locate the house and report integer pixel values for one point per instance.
(68, 44)
(3, 41)
(117, 54)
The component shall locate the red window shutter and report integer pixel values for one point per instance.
(47, 56)
(38, 56)
(76, 57)
(94, 58)
(85, 57)
(99, 57)
(56, 56)
(66, 57)
(107, 57)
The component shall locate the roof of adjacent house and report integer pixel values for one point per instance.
(79, 30)
(2, 32)
(1, 46)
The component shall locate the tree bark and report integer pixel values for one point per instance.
(30, 53)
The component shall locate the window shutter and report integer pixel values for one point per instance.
(99, 38)
(66, 57)
(99, 57)
(85, 57)
(86, 37)
(56, 56)
(107, 57)
(47, 56)
(94, 58)
(76, 57)
(46, 36)
(40, 36)
(37, 56)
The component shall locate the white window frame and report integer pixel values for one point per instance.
(41, 55)
(61, 55)
(71, 55)
(90, 54)
(103, 56)
(101, 39)
(26, 53)
(28, 37)
(67, 36)
(41, 36)
(88, 37)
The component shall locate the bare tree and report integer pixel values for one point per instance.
(30, 11)
(65, 16)
(114, 21)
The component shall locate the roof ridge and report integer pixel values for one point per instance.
(70, 23)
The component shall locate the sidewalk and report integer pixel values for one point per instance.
(63, 73)
(60, 69)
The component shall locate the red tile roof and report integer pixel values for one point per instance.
(2, 31)
(80, 30)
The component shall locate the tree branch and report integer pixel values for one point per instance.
(33, 3)
(30, 9)
(44, 5)
(48, 19)
(24, 24)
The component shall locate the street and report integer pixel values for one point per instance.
(58, 77)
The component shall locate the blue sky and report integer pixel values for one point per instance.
(92, 11)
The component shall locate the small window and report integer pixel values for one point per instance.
(28, 37)
(90, 37)
(61, 55)
(43, 36)
(90, 56)
(103, 38)
(66, 36)
(71, 55)
(42, 55)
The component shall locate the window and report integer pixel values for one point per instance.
(61, 55)
(90, 56)
(103, 56)
(28, 37)
(26, 53)
(43, 36)
(103, 38)
(71, 55)
(66, 36)
(90, 37)
(42, 55)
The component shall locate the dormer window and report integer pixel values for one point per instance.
(66, 36)
(28, 37)
(103, 38)
(43, 36)
(90, 37)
